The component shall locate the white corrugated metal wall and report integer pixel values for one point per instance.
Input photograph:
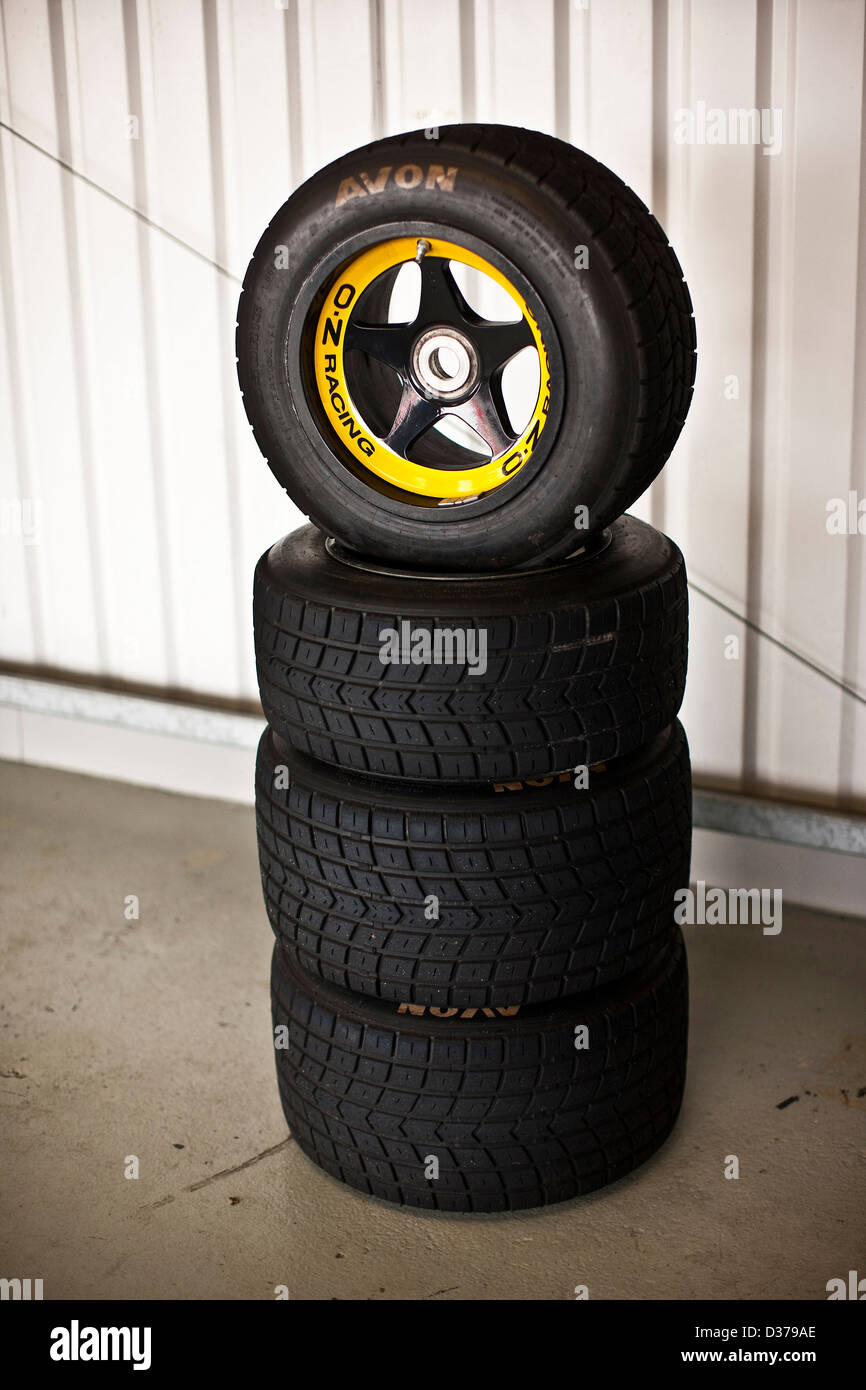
(145, 144)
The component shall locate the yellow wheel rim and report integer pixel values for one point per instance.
(346, 420)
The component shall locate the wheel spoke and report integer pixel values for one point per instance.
(441, 300)
(497, 343)
(498, 399)
(387, 342)
(485, 412)
(414, 415)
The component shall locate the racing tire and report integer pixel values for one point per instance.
(467, 898)
(394, 427)
(534, 673)
(469, 1115)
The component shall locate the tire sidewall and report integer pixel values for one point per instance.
(302, 566)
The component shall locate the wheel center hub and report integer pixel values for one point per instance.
(444, 363)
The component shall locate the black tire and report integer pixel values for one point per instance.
(515, 1114)
(584, 662)
(540, 893)
(618, 339)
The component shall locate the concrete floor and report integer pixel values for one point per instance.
(152, 1038)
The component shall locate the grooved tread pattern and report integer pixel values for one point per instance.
(572, 684)
(515, 1114)
(541, 893)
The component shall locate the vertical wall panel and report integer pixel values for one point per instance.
(340, 77)
(94, 65)
(809, 454)
(261, 88)
(20, 609)
(515, 53)
(191, 329)
(120, 417)
(620, 95)
(422, 65)
(102, 264)
(43, 277)
(851, 758)
(19, 616)
(706, 492)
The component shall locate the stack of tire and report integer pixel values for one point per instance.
(473, 795)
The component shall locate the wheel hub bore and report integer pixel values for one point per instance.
(444, 363)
